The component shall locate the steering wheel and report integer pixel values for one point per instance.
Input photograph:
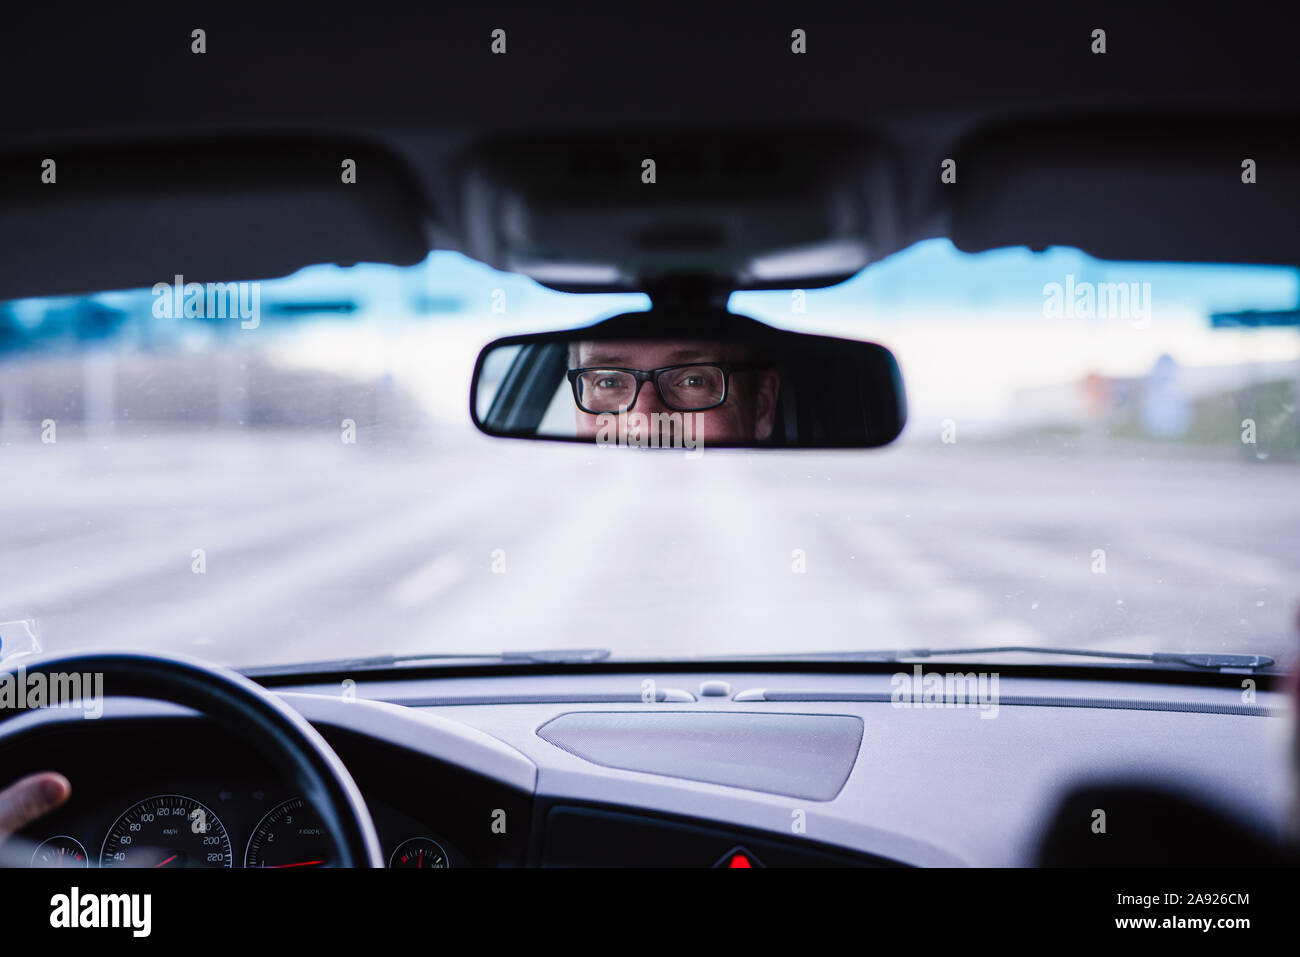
(253, 714)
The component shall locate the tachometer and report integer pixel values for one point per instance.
(291, 835)
(167, 830)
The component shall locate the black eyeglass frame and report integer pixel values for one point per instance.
(642, 377)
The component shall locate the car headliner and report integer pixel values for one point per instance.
(1006, 92)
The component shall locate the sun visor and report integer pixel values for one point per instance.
(76, 221)
(1194, 190)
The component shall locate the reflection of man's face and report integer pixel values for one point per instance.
(745, 416)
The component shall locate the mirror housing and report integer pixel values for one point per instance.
(699, 378)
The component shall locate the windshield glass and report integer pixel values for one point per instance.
(1098, 455)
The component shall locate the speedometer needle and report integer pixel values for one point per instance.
(168, 861)
(299, 864)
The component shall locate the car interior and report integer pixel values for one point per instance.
(689, 156)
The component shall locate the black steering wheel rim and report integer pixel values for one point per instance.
(249, 711)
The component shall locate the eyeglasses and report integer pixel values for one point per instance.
(685, 388)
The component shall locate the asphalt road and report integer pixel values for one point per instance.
(314, 549)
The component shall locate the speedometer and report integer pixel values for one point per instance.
(167, 830)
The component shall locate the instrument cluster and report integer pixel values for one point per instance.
(236, 827)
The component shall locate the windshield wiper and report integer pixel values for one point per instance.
(1206, 660)
(1210, 661)
(550, 656)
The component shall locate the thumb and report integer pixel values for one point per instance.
(26, 800)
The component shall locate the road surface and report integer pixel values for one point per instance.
(314, 549)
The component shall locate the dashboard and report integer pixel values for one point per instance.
(731, 770)
(178, 792)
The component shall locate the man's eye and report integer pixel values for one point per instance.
(607, 382)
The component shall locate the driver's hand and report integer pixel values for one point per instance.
(27, 799)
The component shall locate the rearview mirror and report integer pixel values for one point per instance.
(650, 380)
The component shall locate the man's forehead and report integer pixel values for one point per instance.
(653, 353)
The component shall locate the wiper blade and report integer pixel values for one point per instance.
(377, 662)
(1210, 661)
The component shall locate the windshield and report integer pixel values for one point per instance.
(1098, 455)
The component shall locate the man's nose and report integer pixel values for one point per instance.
(648, 401)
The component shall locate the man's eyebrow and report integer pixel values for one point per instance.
(695, 354)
